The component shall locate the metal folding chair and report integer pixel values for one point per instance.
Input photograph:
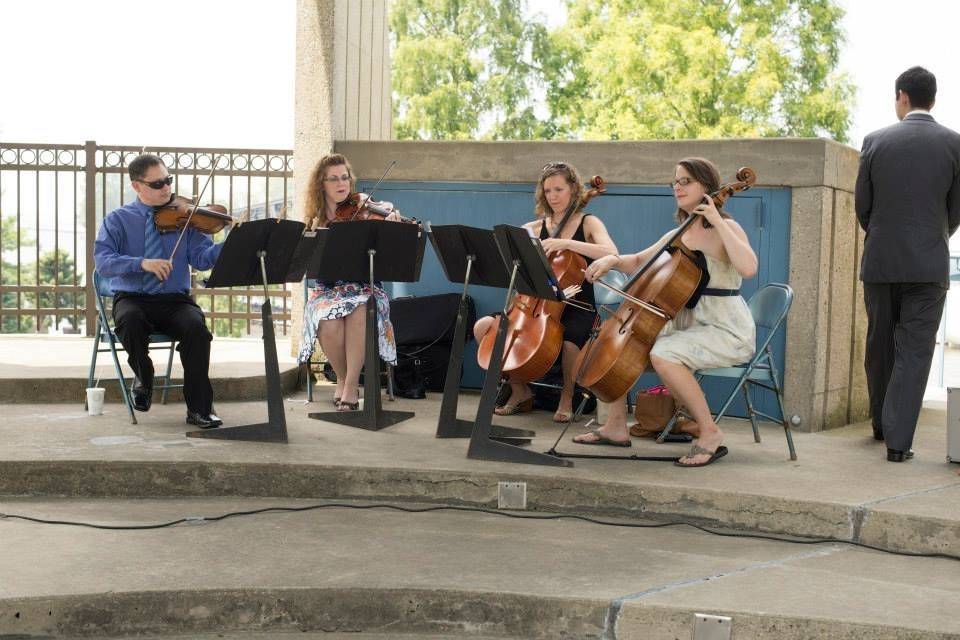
(769, 306)
(106, 340)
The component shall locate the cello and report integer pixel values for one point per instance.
(613, 359)
(535, 331)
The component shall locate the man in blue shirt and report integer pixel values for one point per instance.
(152, 293)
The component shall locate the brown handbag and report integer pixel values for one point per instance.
(653, 409)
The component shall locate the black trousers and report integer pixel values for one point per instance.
(902, 323)
(135, 317)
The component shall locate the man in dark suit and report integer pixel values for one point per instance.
(908, 203)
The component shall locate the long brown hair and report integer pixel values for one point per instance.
(704, 172)
(314, 208)
(570, 174)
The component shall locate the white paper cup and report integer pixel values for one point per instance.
(95, 400)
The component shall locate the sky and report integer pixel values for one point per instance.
(221, 72)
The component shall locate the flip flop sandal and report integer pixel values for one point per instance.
(698, 450)
(601, 439)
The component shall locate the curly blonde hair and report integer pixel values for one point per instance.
(570, 174)
(314, 215)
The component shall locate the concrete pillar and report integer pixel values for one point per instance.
(342, 87)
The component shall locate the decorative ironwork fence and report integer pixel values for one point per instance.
(54, 196)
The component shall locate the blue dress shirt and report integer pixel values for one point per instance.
(119, 250)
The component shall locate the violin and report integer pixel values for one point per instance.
(534, 328)
(173, 216)
(359, 206)
(616, 355)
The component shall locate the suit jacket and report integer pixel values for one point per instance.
(908, 200)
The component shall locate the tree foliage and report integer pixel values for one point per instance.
(463, 69)
(620, 69)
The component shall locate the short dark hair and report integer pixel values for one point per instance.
(141, 164)
(920, 86)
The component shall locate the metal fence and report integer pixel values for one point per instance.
(54, 196)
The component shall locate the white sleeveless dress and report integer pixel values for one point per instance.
(718, 332)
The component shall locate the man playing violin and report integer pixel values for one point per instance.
(152, 292)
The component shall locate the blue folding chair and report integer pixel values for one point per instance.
(106, 340)
(769, 306)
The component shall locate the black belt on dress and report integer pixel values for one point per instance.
(721, 292)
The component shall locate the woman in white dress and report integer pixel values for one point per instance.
(718, 332)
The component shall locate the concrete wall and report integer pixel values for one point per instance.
(342, 83)
(824, 377)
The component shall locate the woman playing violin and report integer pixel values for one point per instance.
(334, 310)
(718, 332)
(584, 233)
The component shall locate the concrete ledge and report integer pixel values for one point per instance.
(72, 389)
(724, 509)
(387, 612)
(328, 610)
(794, 162)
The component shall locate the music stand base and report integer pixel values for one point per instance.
(487, 449)
(361, 420)
(261, 432)
(464, 429)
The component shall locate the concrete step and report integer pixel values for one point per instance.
(458, 574)
(841, 487)
(55, 369)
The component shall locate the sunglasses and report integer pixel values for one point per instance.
(554, 165)
(158, 184)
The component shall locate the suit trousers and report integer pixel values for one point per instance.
(902, 323)
(136, 316)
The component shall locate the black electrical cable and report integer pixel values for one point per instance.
(506, 514)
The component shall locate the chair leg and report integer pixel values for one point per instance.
(166, 382)
(390, 382)
(123, 383)
(309, 382)
(783, 414)
(753, 417)
(93, 363)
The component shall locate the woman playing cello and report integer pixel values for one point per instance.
(559, 186)
(718, 332)
(334, 310)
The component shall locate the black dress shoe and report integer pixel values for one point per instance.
(142, 396)
(878, 434)
(208, 421)
(899, 456)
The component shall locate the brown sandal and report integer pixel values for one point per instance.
(524, 406)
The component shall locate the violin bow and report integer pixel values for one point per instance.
(374, 188)
(196, 205)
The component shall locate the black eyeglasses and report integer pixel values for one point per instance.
(554, 165)
(158, 184)
(683, 182)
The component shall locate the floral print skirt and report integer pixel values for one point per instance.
(332, 303)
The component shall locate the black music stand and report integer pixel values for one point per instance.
(530, 274)
(468, 254)
(260, 252)
(346, 252)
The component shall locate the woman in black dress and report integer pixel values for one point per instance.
(584, 233)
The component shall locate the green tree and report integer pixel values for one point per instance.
(626, 69)
(621, 69)
(463, 69)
